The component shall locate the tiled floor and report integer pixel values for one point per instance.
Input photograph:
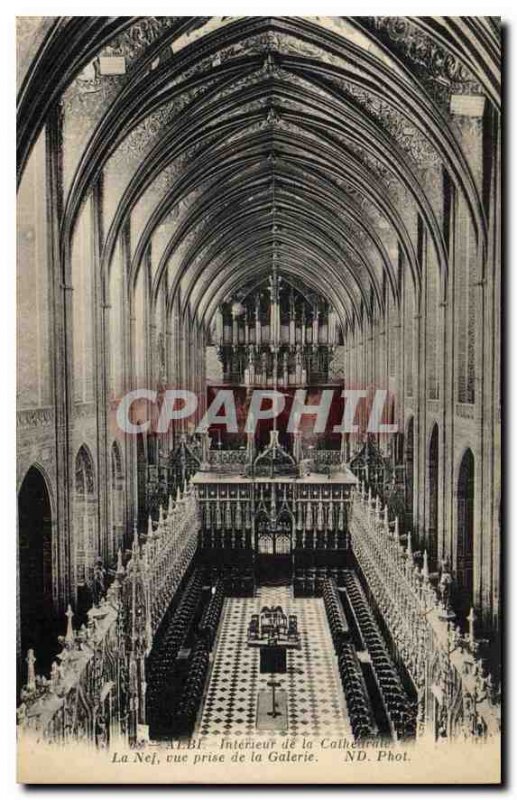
(315, 700)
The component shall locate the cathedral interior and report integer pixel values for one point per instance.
(259, 202)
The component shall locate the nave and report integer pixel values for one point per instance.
(227, 206)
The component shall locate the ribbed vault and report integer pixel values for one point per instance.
(248, 141)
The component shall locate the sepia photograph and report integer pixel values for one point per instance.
(258, 400)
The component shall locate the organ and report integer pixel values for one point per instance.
(272, 333)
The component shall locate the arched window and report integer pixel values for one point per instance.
(282, 544)
(409, 459)
(266, 544)
(141, 466)
(409, 333)
(85, 517)
(465, 534)
(465, 305)
(433, 325)
(432, 479)
(116, 500)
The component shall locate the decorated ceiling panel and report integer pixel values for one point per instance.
(227, 144)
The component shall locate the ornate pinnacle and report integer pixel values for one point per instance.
(425, 567)
(150, 526)
(135, 539)
(170, 508)
(69, 636)
(409, 548)
(120, 565)
(471, 620)
(54, 676)
(31, 671)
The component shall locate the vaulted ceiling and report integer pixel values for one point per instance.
(235, 143)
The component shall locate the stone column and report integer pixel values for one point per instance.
(131, 448)
(61, 349)
(101, 356)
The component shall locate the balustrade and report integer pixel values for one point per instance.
(455, 696)
(97, 683)
(227, 461)
(324, 459)
(87, 687)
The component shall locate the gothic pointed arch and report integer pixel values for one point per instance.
(117, 498)
(86, 541)
(37, 574)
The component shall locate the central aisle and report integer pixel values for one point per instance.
(316, 704)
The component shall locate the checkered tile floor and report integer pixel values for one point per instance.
(315, 700)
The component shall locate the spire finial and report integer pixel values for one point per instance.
(471, 620)
(31, 670)
(69, 636)
(54, 675)
(425, 567)
(409, 548)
